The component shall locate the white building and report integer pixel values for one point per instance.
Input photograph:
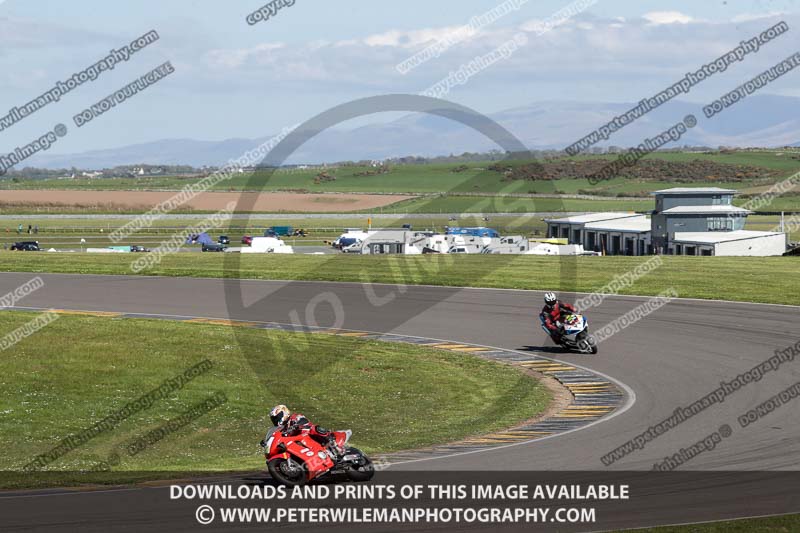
(622, 236)
(609, 233)
(685, 221)
(567, 227)
(730, 243)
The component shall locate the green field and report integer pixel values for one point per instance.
(499, 204)
(77, 370)
(762, 279)
(776, 159)
(473, 188)
(433, 178)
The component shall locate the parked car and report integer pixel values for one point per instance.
(353, 248)
(247, 239)
(223, 239)
(26, 246)
(137, 248)
(214, 248)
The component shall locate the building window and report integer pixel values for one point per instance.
(720, 223)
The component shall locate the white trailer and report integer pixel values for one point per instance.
(267, 245)
(545, 248)
(455, 244)
(516, 244)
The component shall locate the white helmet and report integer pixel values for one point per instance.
(550, 298)
(279, 414)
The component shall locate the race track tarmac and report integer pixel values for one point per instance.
(669, 359)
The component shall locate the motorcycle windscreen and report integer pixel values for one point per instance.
(269, 438)
(576, 324)
(342, 437)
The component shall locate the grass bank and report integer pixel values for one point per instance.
(757, 279)
(776, 524)
(438, 177)
(78, 370)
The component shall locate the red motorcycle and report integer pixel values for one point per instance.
(294, 458)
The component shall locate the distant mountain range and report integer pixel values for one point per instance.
(762, 120)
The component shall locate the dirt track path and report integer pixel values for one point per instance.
(209, 201)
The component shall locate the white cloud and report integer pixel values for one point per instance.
(27, 33)
(747, 17)
(234, 58)
(667, 17)
(410, 39)
(636, 52)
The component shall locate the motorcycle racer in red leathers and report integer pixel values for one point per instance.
(294, 423)
(552, 313)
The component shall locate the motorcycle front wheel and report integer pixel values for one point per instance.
(361, 472)
(287, 471)
(587, 343)
(592, 344)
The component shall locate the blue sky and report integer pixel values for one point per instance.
(236, 80)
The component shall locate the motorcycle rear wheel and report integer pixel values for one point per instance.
(285, 473)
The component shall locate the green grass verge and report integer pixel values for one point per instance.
(77, 370)
(501, 204)
(757, 279)
(777, 524)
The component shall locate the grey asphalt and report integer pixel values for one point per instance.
(667, 360)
